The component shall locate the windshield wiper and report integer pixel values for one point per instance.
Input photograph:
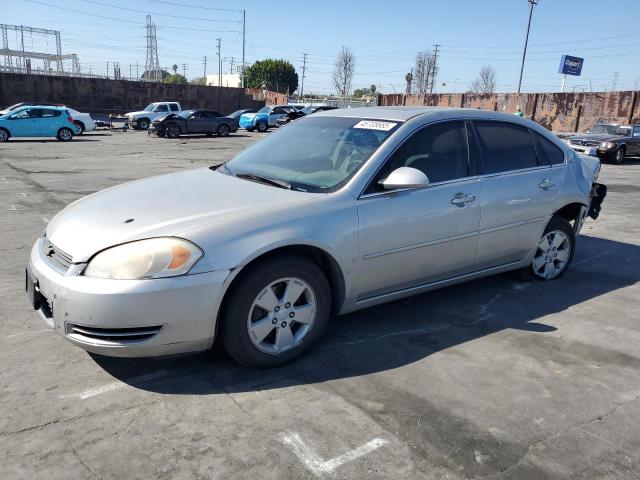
(267, 180)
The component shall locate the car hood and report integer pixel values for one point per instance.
(139, 112)
(166, 205)
(594, 137)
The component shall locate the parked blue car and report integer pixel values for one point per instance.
(265, 118)
(37, 121)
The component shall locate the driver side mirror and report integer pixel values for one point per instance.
(403, 178)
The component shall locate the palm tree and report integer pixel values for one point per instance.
(175, 68)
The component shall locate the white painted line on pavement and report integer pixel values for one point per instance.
(109, 387)
(316, 464)
(27, 333)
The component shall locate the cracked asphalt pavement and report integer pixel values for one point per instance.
(489, 379)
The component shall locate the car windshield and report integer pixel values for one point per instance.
(314, 154)
(186, 113)
(149, 107)
(264, 110)
(603, 128)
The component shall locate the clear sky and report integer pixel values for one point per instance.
(384, 35)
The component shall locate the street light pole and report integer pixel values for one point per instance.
(526, 40)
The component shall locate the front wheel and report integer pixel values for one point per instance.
(554, 252)
(277, 310)
(143, 124)
(263, 127)
(4, 135)
(64, 134)
(173, 131)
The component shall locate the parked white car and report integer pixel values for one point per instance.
(82, 121)
(142, 119)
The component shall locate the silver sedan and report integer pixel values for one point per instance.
(335, 212)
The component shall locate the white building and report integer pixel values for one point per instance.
(228, 80)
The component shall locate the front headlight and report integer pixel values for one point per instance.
(152, 258)
(607, 145)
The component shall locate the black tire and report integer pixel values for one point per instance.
(234, 330)
(80, 125)
(4, 135)
(64, 134)
(263, 127)
(620, 155)
(556, 223)
(249, 129)
(143, 124)
(223, 130)
(172, 131)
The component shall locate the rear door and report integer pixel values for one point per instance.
(212, 121)
(51, 121)
(519, 191)
(417, 236)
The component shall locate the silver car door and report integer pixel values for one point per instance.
(519, 190)
(413, 237)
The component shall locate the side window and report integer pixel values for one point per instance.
(636, 131)
(505, 147)
(547, 149)
(440, 151)
(162, 108)
(174, 107)
(21, 115)
(35, 112)
(46, 113)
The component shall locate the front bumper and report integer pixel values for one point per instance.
(129, 318)
(606, 153)
(585, 150)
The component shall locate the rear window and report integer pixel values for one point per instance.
(547, 150)
(174, 107)
(505, 147)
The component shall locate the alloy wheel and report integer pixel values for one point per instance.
(552, 255)
(173, 131)
(223, 130)
(282, 315)
(3, 135)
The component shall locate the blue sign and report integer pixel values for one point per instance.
(571, 65)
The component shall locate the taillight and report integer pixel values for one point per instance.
(70, 120)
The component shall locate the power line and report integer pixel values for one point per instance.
(58, 7)
(158, 14)
(177, 4)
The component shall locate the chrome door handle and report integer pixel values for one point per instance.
(547, 184)
(460, 200)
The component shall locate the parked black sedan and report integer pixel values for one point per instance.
(194, 121)
(610, 142)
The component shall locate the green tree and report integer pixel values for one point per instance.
(175, 78)
(163, 73)
(198, 81)
(275, 75)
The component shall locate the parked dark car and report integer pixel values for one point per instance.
(321, 108)
(607, 141)
(194, 121)
(290, 116)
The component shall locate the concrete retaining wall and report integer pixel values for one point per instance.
(102, 96)
(555, 111)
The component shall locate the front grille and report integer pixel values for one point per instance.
(586, 143)
(56, 257)
(113, 335)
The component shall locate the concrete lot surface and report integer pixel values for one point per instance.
(490, 379)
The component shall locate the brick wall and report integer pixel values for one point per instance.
(101, 96)
(555, 111)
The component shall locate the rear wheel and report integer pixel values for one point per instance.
(223, 130)
(80, 126)
(173, 131)
(64, 134)
(263, 127)
(4, 135)
(553, 254)
(620, 155)
(277, 310)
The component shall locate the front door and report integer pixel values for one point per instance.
(25, 123)
(414, 237)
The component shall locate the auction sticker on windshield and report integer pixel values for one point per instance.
(375, 125)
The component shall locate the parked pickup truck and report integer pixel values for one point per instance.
(142, 119)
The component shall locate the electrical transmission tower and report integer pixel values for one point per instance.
(153, 72)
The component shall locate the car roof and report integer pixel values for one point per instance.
(35, 105)
(403, 114)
